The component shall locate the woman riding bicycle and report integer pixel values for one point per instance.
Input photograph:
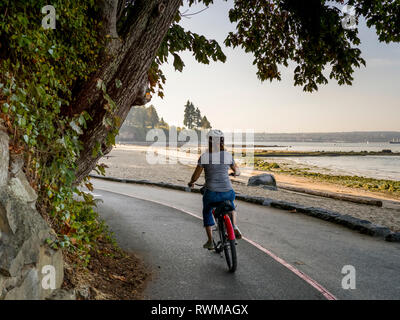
(216, 163)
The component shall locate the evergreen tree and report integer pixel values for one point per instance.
(162, 124)
(189, 115)
(152, 118)
(197, 118)
(138, 117)
(205, 124)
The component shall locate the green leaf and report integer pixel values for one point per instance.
(101, 85)
(75, 127)
(178, 63)
(5, 107)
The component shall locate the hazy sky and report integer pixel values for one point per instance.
(231, 96)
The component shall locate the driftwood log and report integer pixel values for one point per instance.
(343, 197)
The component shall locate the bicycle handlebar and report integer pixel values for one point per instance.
(232, 174)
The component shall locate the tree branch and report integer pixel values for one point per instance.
(129, 67)
(120, 8)
(109, 10)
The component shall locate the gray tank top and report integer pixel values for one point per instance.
(216, 166)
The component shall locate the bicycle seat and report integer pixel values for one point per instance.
(222, 207)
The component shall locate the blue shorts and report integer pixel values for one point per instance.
(211, 197)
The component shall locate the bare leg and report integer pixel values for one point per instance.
(209, 233)
(234, 217)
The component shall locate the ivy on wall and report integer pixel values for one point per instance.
(39, 70)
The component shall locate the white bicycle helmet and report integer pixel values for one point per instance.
(215, 134)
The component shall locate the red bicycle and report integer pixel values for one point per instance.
(226, 242)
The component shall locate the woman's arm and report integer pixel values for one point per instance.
(235, 169)
(196, 175)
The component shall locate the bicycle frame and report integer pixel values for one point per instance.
(228, 224)
(229, 227)
(227, 241)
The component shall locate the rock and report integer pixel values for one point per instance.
(7, 283)
(29, 231)
(3, 286)
(272, 188)
(263, 180)
(7, 224)
(98, 201)
(4, 158)
(251, 199)
(26, 221)
(96, 294)
(16, 164)
(267, 202)
(393, 237)
(14, 257)
(381, 231)
(10, 262)
(83, 292)
(21, 188)
(28, 289)
(283, 205)
(61, 294)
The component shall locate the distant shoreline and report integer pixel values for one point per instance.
(347, 137)
(324, 153)
(279, 153)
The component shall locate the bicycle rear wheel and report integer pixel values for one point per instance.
(229, 247)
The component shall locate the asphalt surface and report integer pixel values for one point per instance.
(170, 241)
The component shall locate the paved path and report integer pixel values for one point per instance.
(170, 240)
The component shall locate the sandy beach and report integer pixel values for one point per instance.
(127, 161)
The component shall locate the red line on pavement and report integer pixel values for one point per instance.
(303, 276)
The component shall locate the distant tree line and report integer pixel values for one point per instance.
(144, 117)
(141, 119)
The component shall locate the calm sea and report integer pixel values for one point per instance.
(330, 146)
(380, 167)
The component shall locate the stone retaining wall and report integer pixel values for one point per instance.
(29, 269)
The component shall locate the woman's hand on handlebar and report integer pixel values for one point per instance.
(191, 185)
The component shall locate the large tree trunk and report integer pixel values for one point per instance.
(126, 59)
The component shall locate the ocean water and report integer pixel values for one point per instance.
(329, 146)
(379, 167)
